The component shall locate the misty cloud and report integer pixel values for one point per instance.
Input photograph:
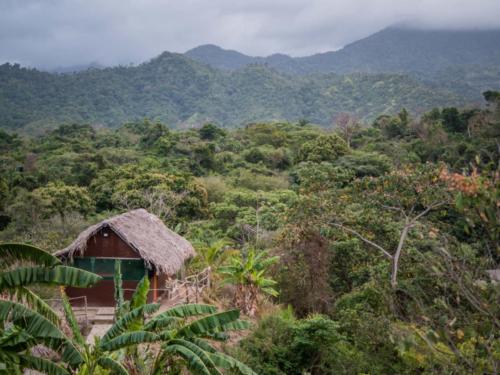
(51, 33)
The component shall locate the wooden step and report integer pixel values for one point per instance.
(106, 311)
(103, 319)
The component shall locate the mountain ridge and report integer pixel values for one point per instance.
(389, 50)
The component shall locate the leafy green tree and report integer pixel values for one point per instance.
(392, 127)
(453, 121)
(324, 148)
(61, 199)
(282, 344)
(210, 132)
(410, 194)
(365, 163)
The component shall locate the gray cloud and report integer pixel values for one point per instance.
(50, 33)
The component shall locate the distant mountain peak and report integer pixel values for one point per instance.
(219, 57)
(398, 48)
(205, 47)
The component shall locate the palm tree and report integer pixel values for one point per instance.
(25, 319)
(247, 273)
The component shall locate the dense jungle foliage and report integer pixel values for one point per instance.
(357, 249)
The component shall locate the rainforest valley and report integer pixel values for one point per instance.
(362, 247)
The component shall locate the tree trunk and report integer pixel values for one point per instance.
(397, 255)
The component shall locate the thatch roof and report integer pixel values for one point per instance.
(161, 248)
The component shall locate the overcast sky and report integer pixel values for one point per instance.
(53, 33)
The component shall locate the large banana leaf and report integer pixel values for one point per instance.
(202, 343)
(158, 324)
(129, 339)
(180, 311)
(40, 329)
(11, 253)
(140, 296)
(123, 324)
(58, 275)
(27, 297)
(229, 363)
(112, 365)
(194, 363)
(209, 324)
(173, 314)
(42, 365)
(199, 352)
(15, 339)
(237, 325)
(71, 320)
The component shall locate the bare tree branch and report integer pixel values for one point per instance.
(385, 252)
(426, 211)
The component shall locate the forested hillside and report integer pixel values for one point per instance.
(358, 249)
(178, 91)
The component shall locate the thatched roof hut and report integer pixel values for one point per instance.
(162, 250)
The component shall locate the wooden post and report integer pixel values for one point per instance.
(196, 290)
(155, 287)
(86, 315)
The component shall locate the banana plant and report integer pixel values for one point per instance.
(184, 342)
(25, 319)
(26, 265)
(248, 274)
(21, 330)
(93, 356)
